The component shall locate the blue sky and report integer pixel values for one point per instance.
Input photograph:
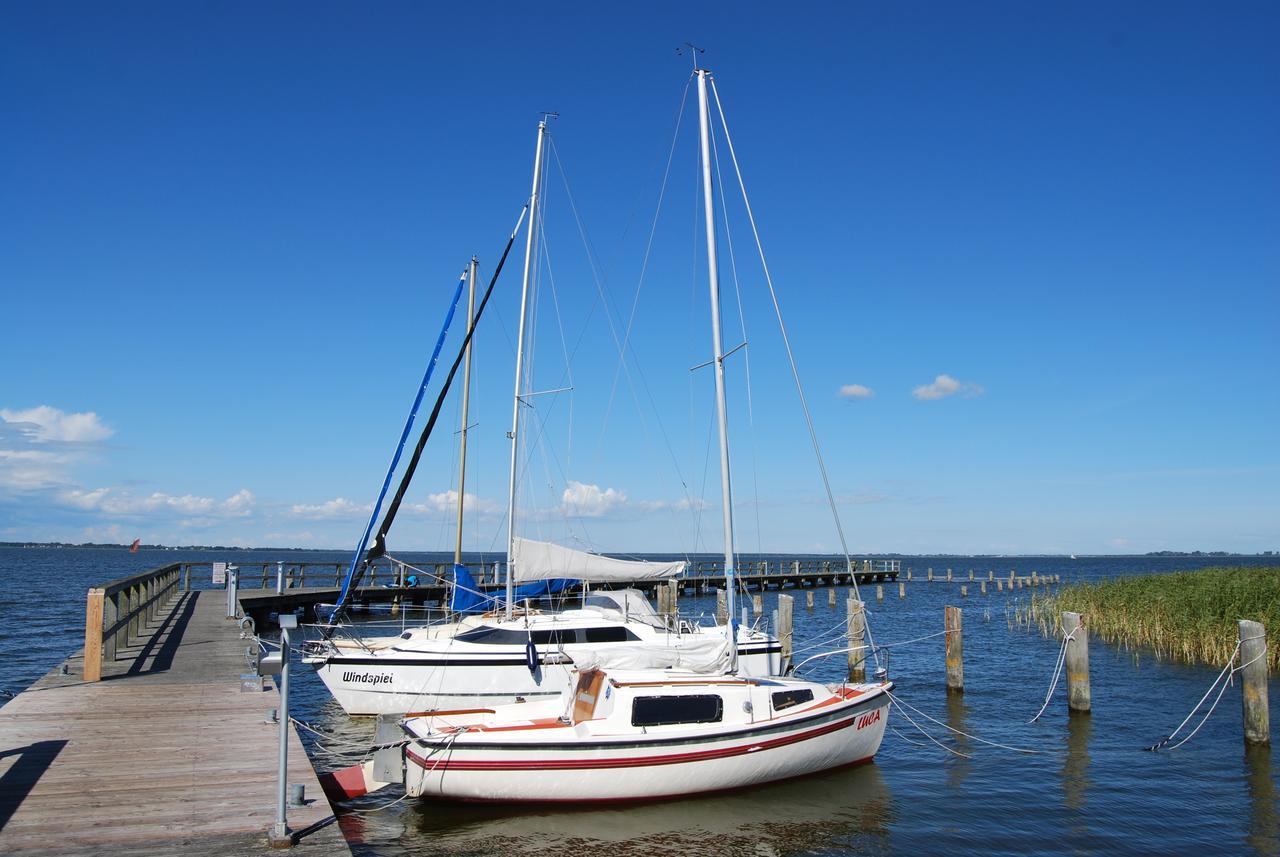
(1035, 247)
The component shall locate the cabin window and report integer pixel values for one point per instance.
(665, 710)
(791, 698)
(615, 634)
(554, 637)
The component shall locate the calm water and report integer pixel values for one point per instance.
(1091, 789)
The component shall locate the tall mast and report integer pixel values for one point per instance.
(722, 419)
(466, 399)
(514, 434)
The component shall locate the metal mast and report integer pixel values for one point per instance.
(466, 400)
(514, 434)
(704, 124)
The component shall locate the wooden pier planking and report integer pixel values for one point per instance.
(166, 754)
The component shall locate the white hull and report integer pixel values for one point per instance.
(390, 682)
(660, 764)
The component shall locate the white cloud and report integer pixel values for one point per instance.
(447, 502)
(44, 423)
(109, 501)
(338, 507)
(588, 501)
(684, 504)
(944, 386)
(856, 391)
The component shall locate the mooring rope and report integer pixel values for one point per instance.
(1228, 673)
(1057, 673)
(959, 731)
(922, 731)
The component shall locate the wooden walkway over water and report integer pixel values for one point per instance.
(165, 755)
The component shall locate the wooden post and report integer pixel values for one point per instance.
(902, 589)
(186, 582)
(1077, 663)
(971, 575)
(908, 574)
(991, 575)
(786, 612)
(673, 601)
(953, 622)
(1011, 576)
(983, 585)
(857, 624)
(964, 592)
(1035, 580)
(808, 596)
(110, 615)
(831, 596)
(1000, 585)
(757, 603)
(1253, 687)
(664, 608)
(722, 611)
(930, 578)
(93, 635)
(948, 575)
(879, 591)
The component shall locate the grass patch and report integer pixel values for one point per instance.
(1187, 616)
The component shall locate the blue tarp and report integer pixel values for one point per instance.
(466, 596)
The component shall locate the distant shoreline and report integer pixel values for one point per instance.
(141, 547)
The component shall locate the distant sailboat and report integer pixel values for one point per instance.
(133, 548)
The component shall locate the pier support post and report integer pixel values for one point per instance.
(1253, 687)
(722, 611)
(1077, 663)
(857, 625)
(785, 614)
(955, 649)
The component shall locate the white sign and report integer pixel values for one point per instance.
(220, 573)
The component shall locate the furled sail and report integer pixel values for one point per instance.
(707, 655)
(543, 561)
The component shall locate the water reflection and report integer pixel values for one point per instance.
(958, 767)
(849, 809)
(1075, 769)
(1264, 821)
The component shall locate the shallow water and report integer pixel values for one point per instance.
(1089, 789)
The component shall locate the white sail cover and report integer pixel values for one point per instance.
(708, 654)
(546, 561)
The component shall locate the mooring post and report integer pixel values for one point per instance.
(879, 591)
(902, 589)
(953, 623)
(982, 586)
(722, 611)
(1253, 687)
(757, 603)
(948, 575)
(991, 575)
(964, 592)
(908, 574)
(673, 601)
(785, 616)
(809, 600)
(929, 579)
(831, 596)
(664, 606)
(857, 624)
(1077, 662)
(1000, 585)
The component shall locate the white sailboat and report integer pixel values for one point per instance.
(515, 654)
(634, 728)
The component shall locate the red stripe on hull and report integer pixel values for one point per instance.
(628, 762)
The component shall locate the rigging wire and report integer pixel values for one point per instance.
(786, 341)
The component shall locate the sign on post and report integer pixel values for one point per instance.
(219, 574)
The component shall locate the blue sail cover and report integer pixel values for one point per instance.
(466, 596)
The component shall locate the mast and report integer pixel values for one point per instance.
(466, 398)
(704, 124)
(514, 434)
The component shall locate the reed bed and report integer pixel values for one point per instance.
(1187, 616)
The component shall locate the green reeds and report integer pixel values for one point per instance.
(1186, 616)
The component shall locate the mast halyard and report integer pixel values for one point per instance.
(514, 434)
(704, 124)
(466, 400)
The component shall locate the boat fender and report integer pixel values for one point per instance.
(531, 656)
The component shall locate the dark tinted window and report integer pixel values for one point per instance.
(616, 634)
(495, 637)
(788, 698)
(554, 637)
(660, 710)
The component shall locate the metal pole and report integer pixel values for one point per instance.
(280, 837)
(466, 401)
(515, 407)
(279, 578)
(722, 420)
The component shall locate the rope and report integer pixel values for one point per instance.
(922, 731)
(1057, 673)
(958, 731)
(1228, 673)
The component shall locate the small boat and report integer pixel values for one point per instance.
(635, 735)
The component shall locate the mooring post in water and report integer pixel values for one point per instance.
(722, 610)
(908, 574)
(948, 575)
(902, 589)
(831, 597)
(785, 614)
(1077, 662)
(808, 600)
(857, 625)
(955, 649)
(964, 592)
(757, 603)
(1000, 585)
(1253, 687)
(673, 601)
(982, 585)
(930, 577)
(879, 591)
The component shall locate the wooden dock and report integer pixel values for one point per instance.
(165, 755)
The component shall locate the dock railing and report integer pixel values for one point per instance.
(120, 610)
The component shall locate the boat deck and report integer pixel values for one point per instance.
(165, 755)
